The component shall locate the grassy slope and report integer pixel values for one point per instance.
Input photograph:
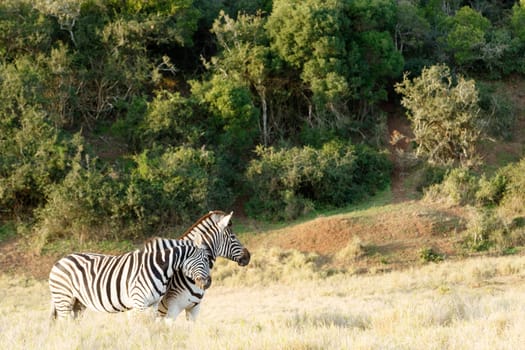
(474, 304)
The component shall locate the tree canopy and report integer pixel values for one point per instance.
(118, 110)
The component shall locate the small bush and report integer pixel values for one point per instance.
(429, 175)
(491, 191)
(459, 187)
(80, 208)
(512, 204)
(431, 255)
(485, 231)
(174, 187)
(353, 250)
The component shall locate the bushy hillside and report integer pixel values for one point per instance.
(125, 119)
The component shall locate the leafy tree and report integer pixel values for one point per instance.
(65, 11)
(343, 51)
(245, 57)
(467, 35)
(23, 30)
(517, 27)
(169, 120)
(444, 115)
(517, 20)
(233, 126)
(411, 27)
(309, 36)
(250, 7)
(35, 152)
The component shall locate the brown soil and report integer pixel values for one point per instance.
(392, 238)
(14, 258)
(400, 136)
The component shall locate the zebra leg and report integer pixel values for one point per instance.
(170, 307)
(78, 308)
(192, 312)
(61, 306)
(162, 307)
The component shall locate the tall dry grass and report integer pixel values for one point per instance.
(475, 304)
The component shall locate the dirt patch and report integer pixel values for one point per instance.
(321, 235)
(15, 259)
(392, 236)
(400, 137)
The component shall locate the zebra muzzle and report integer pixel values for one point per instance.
(245, 258)
(203, 283)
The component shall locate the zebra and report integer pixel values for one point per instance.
(212, 231)
(134, 280)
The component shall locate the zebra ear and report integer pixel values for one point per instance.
(223, 223)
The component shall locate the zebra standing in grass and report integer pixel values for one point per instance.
(212, 231)
(135, 280)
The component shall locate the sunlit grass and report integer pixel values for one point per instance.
(247, 227)
(276, 304)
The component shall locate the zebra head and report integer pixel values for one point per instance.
(214, 231)
(197, 267)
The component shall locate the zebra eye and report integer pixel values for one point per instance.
(230, 223)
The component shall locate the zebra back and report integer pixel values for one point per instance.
(117, 283)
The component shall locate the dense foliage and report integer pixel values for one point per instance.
(499, 202)
(124, 118)
(290, 182)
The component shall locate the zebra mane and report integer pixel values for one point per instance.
(150, 243)
(198, 222)
(151, 240)
(159, 243)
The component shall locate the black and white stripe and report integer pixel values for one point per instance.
(214, 233)
(135, 280)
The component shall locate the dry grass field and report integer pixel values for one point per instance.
(283, 301)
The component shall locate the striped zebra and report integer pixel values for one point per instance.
(134, 280)
(214, 232)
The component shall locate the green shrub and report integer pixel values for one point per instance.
(498, 115)
(431, 255)
(127, 126)
(444, 113)
(459, 187)
(35, 153)
(286, 183)
(82, 207)
(491, 191)
(429, 175)
(175, 187)
(156, 192)
(34, 157)
(512, 205)
(168, 120)
(486, 230)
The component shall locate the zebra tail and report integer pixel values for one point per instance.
(53, 311)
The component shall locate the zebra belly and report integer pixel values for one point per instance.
(103, 304)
